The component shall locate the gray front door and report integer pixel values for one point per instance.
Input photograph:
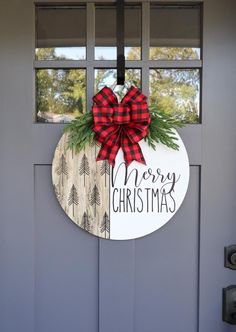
(56, 277)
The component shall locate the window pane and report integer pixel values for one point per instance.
(174, 32)
(60, 33)
(107, 77)
(176, 92)
(60, 94)
(133, 32)
(105, 34)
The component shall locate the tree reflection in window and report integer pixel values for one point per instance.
(174, 53)
(176, 92)
(60, 94)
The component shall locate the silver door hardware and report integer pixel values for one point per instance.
(229, 304)
(230, 257)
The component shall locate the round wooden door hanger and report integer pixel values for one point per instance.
(120, 203)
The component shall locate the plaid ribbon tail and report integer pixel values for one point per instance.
(132, 151)
(106, 153)
(110, 148)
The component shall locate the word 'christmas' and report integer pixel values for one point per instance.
(148, 191)
(142, 200)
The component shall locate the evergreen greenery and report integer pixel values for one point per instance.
(80, 132)
(161, 130)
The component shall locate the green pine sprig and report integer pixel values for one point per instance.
(161, 130)
(80, 132)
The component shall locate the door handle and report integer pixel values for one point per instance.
(230, 257)
(229, 304)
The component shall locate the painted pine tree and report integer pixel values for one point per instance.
(73, 198)
(62, 168)
(85, 224)
(105, 226)
(57, 193)
(84, 167)
(105, 170)
(95, 198)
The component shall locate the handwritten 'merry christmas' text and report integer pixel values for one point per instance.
(149, 190)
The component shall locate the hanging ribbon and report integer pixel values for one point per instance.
(120, 125)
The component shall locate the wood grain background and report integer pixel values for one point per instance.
(82, 187)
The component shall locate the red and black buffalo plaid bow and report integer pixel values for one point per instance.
(120, 125)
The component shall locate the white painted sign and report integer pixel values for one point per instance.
(120, 203)
(144, 198)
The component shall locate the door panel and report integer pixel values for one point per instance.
(152, 282)
(166, 270)
(66, 266)
(132, 276)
